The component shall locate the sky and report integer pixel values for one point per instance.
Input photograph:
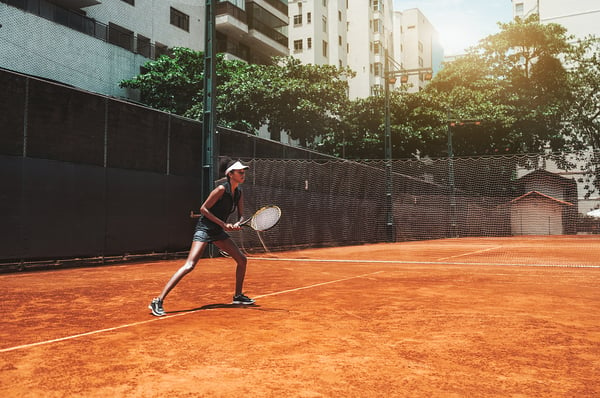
(461, 23)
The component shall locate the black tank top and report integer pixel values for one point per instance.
(222, 209)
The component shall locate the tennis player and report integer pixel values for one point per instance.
(211, 228)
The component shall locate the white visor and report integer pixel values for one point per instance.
(236, 166)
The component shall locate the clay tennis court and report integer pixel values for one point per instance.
(492, 317)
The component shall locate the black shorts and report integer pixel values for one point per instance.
(202, 235)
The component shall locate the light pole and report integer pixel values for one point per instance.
(389, 75)
(210, 151)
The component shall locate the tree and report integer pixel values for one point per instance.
(584, 110)
(582, 123)
(303, 100)
(515, 83)
(172, 83)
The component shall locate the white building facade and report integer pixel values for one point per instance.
(318, 31)
(93, 45)
(370, 33)
(357, 34)
(417, 42)
(580, 17)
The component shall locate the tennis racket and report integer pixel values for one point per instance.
(265, 218)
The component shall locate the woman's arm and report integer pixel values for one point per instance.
(240, 210)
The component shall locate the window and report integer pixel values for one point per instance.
(377, 48)
(339, 16)
(340, 40)
(324, 3)
(298, 20)
(180, 19)
(309, 43)
(297, 46)
(143, 46)
(325, 24)
(376, 89)
(420, 46)
(120, 36)
(308, 17)
(378, 69)
(420, 62)
(160, 49)
(325, 50)
(377, 26)
(519, 9)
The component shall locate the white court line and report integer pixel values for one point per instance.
(318, 284)
(433, 262)
(154, 319)
(469, 253)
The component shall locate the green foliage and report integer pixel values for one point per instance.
(171, 83)
(303, 100)
(514, 83)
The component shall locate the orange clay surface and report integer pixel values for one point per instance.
(495, 317)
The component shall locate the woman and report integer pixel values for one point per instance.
(211, 228)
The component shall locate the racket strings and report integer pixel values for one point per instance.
(266, 218)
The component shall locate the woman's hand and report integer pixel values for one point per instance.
(232, 227)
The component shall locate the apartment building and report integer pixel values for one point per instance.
(93, 44)
(343, 33)
(318, 31)
(417, 41)
(357, 34)
(370, 33)
(579, 17)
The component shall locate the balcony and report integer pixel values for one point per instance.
(266, 31)
(230, 20)
(233, 48)
(76, 4)
(268, 40)
(278, 5)
(75, 20)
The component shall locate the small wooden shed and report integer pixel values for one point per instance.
(537, 214)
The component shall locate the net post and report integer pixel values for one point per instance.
(453, 225)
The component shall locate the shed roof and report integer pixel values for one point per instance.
(541, 195)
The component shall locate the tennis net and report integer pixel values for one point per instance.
(331, 203)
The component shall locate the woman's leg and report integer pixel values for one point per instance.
(229, 246)
(194, 255)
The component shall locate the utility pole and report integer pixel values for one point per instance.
(210, 152)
